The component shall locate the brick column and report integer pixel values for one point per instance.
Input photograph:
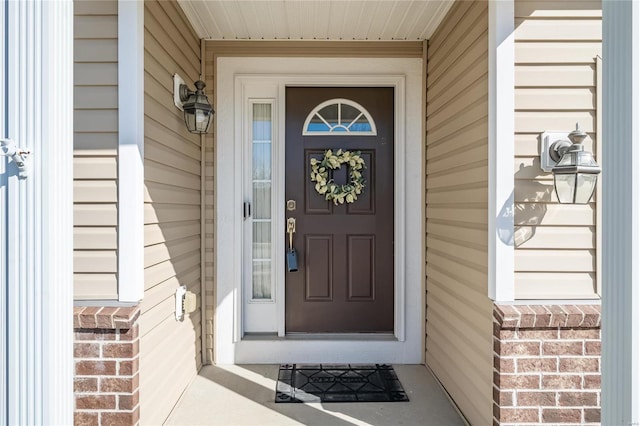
(106, 355)
(546, 364)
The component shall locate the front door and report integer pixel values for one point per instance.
(345, 277)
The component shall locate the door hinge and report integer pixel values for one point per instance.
(9, 149)
(246, 210)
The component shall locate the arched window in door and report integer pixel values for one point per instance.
(339, 117)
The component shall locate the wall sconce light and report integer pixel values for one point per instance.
(575, 173)
(195, 104)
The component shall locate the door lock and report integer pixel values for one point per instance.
(291, 205)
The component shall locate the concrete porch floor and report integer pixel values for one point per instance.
(244, 395)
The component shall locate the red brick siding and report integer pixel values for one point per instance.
(106, 355)
(546, 364)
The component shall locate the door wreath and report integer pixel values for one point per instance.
(332, 191)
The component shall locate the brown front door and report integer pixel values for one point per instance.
(345, 277)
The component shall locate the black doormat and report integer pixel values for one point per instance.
(339, 383)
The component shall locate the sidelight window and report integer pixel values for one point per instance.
(339, 117)
(261, 182)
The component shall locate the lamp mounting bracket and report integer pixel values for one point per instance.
(178, 82)
(558, 148)
(553, 145)
(184, 92)
(550, 156)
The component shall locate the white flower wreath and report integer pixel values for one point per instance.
(327, 187)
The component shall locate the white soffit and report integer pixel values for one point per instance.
(315, 19)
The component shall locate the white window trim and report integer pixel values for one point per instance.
(407, 347)
(501, 150)
(259, 314)
(130, 150)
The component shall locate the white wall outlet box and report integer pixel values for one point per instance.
(180, 292)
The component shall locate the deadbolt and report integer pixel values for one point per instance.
(291, 205)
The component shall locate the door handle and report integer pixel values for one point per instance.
(291, 229)
(292, 256)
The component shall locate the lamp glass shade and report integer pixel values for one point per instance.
(585, 186)
(197, 113)
(565, 187)
(575, 177)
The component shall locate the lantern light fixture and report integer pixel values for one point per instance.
(575, 174)
(198, 112)
(197, 109)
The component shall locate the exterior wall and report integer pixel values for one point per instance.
(95, 149)
(263, 48)
(556, 44)
(106, 359)
(459, 324)
(170, 350)
(547, 364)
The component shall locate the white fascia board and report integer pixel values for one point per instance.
(621, 213)
(130, 150)
(501, 150)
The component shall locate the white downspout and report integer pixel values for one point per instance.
(621, 213)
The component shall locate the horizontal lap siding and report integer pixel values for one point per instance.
(269, 48)
(556, 44)
(170, 350)
(459, 314)
(95, 149)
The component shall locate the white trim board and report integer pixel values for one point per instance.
(130, 151)
(406, 76)
(501, 52)
(620, 213)
(37, 282)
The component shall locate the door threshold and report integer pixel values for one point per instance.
(385, 337)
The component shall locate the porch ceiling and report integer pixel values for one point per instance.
(315, 19)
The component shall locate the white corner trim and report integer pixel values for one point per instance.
(130, 150)
(4, 243)
(501, 150)
(621, 213)
(37, 266)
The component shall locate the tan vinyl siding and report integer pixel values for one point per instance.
(459, 313)
(170, 350)
(95, 149)
(556, 44)
(270, 48)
